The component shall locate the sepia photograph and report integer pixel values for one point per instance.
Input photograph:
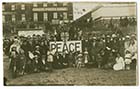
(70, 43)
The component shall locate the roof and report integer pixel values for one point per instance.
(115, 11)
(27, 29)
(86, 16)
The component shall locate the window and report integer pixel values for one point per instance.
(12, 7)
(22, 7)
(65, 16)
(3, 18)
(55, 15)
(35, 5)
(54, 4)
(13, 18)
(44, 4)
(23, 17)
(61, 16)
(45, 16)
(35, 17)
(65, 4)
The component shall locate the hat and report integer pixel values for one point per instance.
(123, 38)
(37, 46)
(127, 37)
(103, 36)
(108, 36)
(94, 38)
(114, 35)
(80, 55)
(15, 40)
(133, 35)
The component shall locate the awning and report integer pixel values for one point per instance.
(86, 16)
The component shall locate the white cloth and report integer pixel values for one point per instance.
(15, 45)
(126, 45)
(133, 50)
(135, 56)
(119, 64)
(86, 57)
(50, 55)
(128, 58)
(31, 55)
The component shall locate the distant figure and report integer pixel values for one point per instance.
(5, 81)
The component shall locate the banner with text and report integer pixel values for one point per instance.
(68, 46)
(30, 33)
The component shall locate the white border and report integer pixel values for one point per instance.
(63, 87)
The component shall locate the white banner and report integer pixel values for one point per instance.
(68, 46)
(30, 33)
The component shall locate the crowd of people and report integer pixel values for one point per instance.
(106, 51)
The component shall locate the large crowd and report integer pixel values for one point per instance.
(106, 51)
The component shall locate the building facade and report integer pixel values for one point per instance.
(36, 14)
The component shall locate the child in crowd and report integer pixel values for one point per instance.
(86, 57)
(75, 59)
(50, 59)
(128, 60)
(65, 59)
(99, 60)
(79, 60)
(110, 61)
(37, 59)
(70, 59)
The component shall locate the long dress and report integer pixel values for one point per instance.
(119, 64)
(133, 50)
(85, 57)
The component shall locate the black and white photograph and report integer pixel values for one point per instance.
(70, 43)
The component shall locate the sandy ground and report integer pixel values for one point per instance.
(73, 76)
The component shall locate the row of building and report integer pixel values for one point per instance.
(37, 12)
(39, 15)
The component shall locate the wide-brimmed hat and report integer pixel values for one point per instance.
(108, 36)
(114, 35)
(127, 37)
(37, 46)
(94, 38)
